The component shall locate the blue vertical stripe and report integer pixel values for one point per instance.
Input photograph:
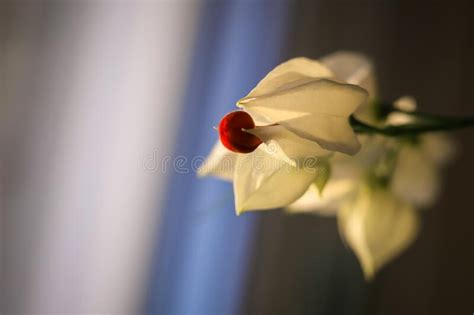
(204, 248)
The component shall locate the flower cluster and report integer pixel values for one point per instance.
(292, 146)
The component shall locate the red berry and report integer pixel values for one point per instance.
(232, 135)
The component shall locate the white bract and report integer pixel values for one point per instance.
(301, 113)
(375, 193)
(378, 226)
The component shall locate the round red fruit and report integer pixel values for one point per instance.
(233, 135)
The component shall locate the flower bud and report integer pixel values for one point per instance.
(233, 135)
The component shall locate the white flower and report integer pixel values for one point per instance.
(304, 117)
(375, 193)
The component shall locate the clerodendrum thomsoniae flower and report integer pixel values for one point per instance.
(292, 146)
(302, 117)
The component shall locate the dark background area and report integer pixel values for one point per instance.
(424, 49)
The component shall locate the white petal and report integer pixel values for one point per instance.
(397, 118)
(220, 163)
(416, 178)
(316, 96)
(406, 103)
(352, 68)
(264, 182)
(300, 67)
(417, 174)
(439, 147)
(335, 194)
(347, 174)
(309, 202)
(284, 144)
(378, 227)
(317, 110)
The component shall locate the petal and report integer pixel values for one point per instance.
(317, 110)
(262, 181)
(352, 68)
(416, 178)
(299, 67)
(284, 144)
(397, 119)
(308, 202)
(377, 227)
(406, 103)
(356, 69)
(439, 147)
(347, 172)
(336, 193)
(417, 174)
(220, 163)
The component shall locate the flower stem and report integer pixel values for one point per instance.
(387, 108)
(436, 123)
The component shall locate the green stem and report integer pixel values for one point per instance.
(412, 129)
(386, 109)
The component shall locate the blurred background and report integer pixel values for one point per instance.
(100, 99)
